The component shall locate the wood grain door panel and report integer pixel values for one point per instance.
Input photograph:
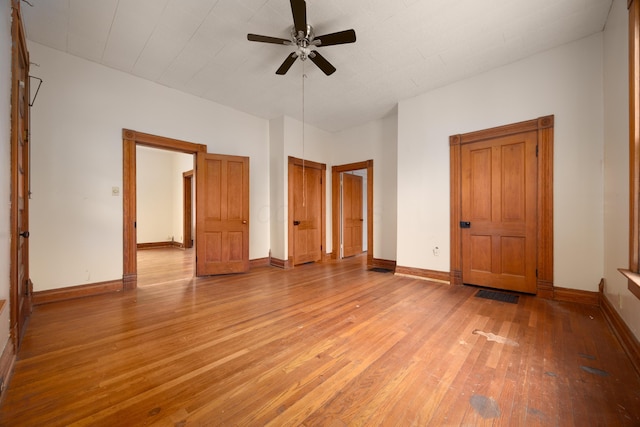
(222, 214)
(307, 215)
(499, 196)
(20, 281)
(352, 220)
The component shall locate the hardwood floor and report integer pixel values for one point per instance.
(322, 344)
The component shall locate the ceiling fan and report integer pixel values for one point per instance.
(303, 37)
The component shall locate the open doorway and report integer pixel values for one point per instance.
(366, 171)
(353, 217)
(165, 216)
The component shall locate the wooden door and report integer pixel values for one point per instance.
(352, 218)
(222, 214)
(308, 212)
(20, 282)
(499, 196)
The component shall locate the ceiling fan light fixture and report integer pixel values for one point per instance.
(303, 37)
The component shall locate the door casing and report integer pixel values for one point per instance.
(335, 217)
(544, 127)
(130, 139)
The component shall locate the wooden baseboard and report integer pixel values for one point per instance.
(259, 262)
(7, 361)
(63, 294)
(545, 289)
(279, 263)
(576, 296)
(157, 245)
(620, 329)
(383, 263)
(432, 275)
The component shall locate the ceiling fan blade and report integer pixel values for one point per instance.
(341, 37)
(299, 11)
(267, 39)
(287, 64)
(322, 63)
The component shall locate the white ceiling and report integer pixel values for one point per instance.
(403, 48)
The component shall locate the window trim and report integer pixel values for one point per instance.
(633, 272)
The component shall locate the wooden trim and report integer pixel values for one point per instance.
(259, 262)
(545, 128)
(279, 263)
(157, 245)
(545, 206)
(323, 204)
(381, 263)
(155, 141)
(130, 139)
(633, 281)
(634, 141)
(335, 206)
(7, 362)
(455, 189)
(432, 275)
(620, 329)
(20, 302)
(576, 296)
(73, 292)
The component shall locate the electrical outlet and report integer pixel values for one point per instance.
(115, 191)
(436, 251)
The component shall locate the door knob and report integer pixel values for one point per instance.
(465, 224)
(296, 222)
(25, 234)
(244, 221)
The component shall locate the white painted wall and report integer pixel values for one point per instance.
(566, 82)
(278, 189)
(77, 158)
(5, 169)
(159, 194)
(616, 166)
(377, 141)
(155, 195)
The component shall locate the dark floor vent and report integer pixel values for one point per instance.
(498, 296)
(379, 270)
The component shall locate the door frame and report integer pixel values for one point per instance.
(187, 209)
(544, 252)
(19, 48)
(336, 202)
(130, 139)
(293, 161)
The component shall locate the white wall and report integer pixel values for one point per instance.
(566, 82)
(5, 168)
(278, 189)
(78, 119)
(155, 195)
(377, 141)
(159, 194)
(616, 166)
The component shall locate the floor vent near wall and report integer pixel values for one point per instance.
(498, 296)
(379, 270)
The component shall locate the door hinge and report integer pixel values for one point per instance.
(26, 287)
(536, 151)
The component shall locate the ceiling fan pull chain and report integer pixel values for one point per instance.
(304, 186)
